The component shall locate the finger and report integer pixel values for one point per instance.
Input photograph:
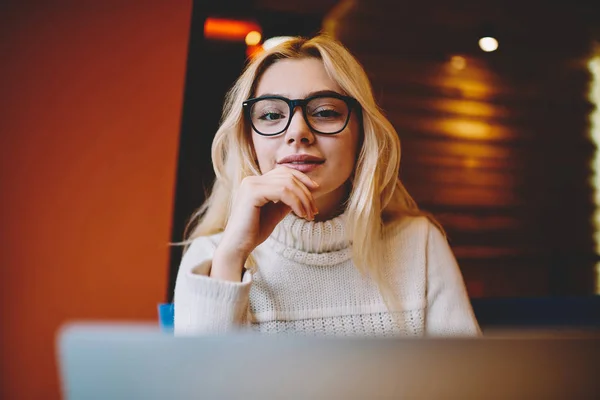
(301, 192)
(288, 176)
(290, 196)
(305, 195)
(311, 206)
(310, 183)
(305, 182)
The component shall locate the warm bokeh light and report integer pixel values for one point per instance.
(229, 29)
(467, 108)
(253, 51)
(594, 97)
(488, 44)
(470, 87)
(253, 38)
(468, 113)
(274, 41)
(470, 162)
(467, 129)
(458, 62)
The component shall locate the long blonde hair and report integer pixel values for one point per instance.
(377, 196)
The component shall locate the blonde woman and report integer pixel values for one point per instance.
(308, 229)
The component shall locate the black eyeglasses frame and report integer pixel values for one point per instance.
(351, 102)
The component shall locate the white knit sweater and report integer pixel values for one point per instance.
(305, 282)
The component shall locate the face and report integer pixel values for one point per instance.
(298, 79)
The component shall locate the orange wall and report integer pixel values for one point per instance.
(90, 103)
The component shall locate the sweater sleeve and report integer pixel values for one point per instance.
(449, 311)
(205, 305)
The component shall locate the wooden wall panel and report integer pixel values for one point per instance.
(496, 145)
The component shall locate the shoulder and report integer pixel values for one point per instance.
(406, 240)
(419, 228)
(414, 234)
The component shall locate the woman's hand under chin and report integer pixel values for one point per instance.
(260, 204)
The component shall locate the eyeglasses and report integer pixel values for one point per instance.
(326, 114)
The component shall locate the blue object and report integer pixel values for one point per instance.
(166, 317)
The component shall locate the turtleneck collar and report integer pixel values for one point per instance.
(312, 242)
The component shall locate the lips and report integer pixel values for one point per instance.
(300, 159)
(303, 167)
(302, 162)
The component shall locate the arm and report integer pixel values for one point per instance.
(209, 296)
(204, 304)
(449, 311)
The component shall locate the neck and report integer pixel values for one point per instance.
(332, 204)
(311, 242)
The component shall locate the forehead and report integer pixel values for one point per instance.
(296, 79)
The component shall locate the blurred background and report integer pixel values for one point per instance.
(108, 111)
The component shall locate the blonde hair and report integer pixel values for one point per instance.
(377, 196)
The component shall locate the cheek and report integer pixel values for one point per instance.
(357, 135)
(265, 152)
(342, 158)
(352, 145)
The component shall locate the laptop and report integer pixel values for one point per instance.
(124, 361)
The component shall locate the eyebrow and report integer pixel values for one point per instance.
(317, 93)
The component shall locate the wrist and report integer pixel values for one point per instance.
(228, 264)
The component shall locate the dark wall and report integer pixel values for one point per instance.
(212, 68)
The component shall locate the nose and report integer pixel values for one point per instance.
(298, 131)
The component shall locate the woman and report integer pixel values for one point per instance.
(308, 228)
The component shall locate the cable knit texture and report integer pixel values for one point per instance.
(306, 283)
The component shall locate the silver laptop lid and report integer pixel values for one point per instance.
(141, 362)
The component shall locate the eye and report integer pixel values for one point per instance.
(326, 113)
(271, 116)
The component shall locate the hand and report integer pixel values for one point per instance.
(260, 204)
